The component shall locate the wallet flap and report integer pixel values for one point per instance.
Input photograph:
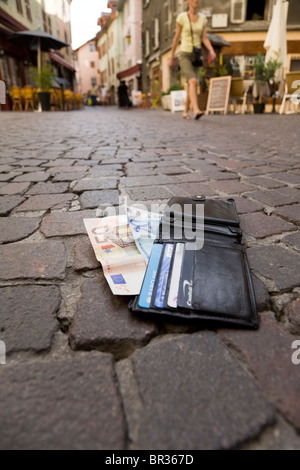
(220, 212)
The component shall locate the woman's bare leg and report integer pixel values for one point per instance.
(193, 96)
(187, 104)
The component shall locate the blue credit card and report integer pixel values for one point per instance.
(164, 276)
(150, 276)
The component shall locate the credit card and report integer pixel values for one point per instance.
(163, 276)
(175, 279)
(150, 276)
(185, 295)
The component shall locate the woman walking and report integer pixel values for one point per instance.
(191, 28)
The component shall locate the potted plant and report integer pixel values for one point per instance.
(264, 77)
(43, 81)
(166, 97)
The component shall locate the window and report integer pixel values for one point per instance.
(256, 10)
(93, 81)
(167, 20)
(49, 25)
(147, 43)
(156, 33)
(19, 7)
(93, 65)
(45, 21)
(92, 47)
(238, 11)
(28, 10)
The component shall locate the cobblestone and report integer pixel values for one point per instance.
(28, 317)
(82, 372)
(33, 261)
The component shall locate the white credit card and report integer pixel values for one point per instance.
(175, 276)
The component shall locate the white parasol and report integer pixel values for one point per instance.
(276, 41)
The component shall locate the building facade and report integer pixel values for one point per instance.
(242, 24)
(110, 50)
(87, 67)
(53, 17)
(130, 20)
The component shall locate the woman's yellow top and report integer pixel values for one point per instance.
(197, 28)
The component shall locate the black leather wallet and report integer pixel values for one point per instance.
(198, 269)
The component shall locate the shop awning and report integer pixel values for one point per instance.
(61, 61)
(131, 71)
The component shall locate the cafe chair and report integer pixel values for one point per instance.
(27, 95)
(16, 97)
(238, 94)
(292, 92)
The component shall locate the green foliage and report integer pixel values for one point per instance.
(265, 72)
(220, 72)
(43, 79)
(174, 87)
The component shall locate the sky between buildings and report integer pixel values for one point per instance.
(84, 16)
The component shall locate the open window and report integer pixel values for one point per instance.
(250, 10)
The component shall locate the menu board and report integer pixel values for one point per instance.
(219, 92)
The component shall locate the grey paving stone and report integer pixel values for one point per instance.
(274, 197)
(71, 404)
(28, 317)
(85, 258)
(291, 213)
(47, 201)
(75, 176)
(192, 177)
(293, 240)
(8, 203)
(261, 295)
(67, 169)
(66, 223)
(276, 264)
(149, 193)
(269, 355)
(259, 225)
(192, 189)
(286, 177)
(245, 206)
(105, 170)
(44, 260)
(48, 188)
(135, 181)
(231, 187)
(33, 177)
(91, 184)
(14, 188)
(103, 322)
(14, 229)
(187, 383)
(93, 199)
(266, 182)
(294, 316)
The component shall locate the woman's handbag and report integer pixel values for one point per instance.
(197, 57)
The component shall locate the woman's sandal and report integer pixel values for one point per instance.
(198, 116)
(186, 116)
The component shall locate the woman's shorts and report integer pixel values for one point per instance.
(187, 69)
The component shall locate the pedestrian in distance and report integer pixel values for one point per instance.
(93, 95)
(124, 101)
(191, 29)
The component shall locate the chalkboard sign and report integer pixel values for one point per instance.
(219, 92)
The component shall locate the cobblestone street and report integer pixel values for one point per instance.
(81, 371)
